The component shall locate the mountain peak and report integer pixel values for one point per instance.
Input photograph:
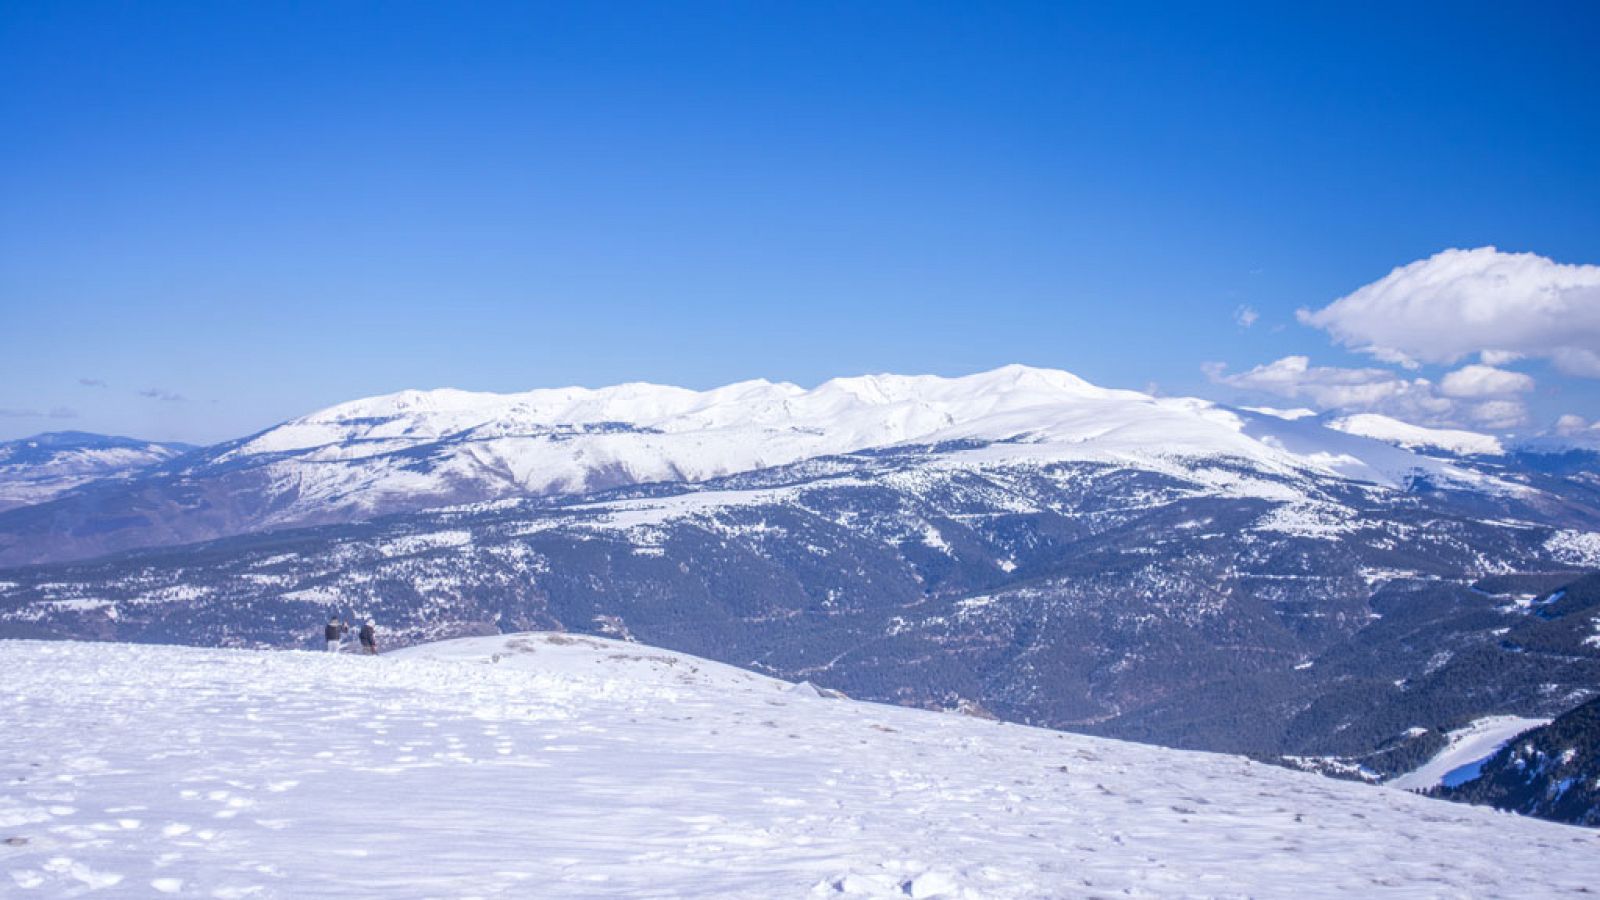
(1024, 375)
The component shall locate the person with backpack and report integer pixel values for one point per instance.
(369, 638)
(334, 634)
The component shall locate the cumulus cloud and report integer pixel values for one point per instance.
(1245, 316)
(1484, 381)
(1416, 400)
(1570, 425)
(1463, 302)
(1492, 414)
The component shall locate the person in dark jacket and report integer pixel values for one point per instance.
(334, 634)
(369, 638)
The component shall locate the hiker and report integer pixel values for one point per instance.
(369, 639)
(334, 634)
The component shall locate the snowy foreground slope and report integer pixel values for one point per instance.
(583, 767)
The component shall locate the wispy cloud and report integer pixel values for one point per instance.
(59, 412)
(1245, 316)
(92, 382)
(164, 396)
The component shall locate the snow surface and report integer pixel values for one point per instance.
(1416, 437)
(1290, 414)
(548, 766)
(1462, 759)
(1577, 547)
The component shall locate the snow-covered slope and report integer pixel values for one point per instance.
(1416, 437)
(32, 470)
(535, 766)
(574, 440)
(1469, 747)
(1552, 771)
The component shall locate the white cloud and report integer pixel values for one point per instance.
(1484, 381)
(1415, 400)
(1498, 357)
(1245, 316)
(1496, 414)
(1569, 425)
(1577, 361)
(59, 412)
(1463, 302)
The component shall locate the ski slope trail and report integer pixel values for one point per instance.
(552, 766)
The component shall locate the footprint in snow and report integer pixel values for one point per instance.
(95, 880)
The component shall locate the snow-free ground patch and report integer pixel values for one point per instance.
(554, 766)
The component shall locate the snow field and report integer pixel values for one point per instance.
(548, 766)
(1467, 750)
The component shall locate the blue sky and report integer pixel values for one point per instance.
(217, 216)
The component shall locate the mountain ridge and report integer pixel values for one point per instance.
(416, 450)
(41, 467)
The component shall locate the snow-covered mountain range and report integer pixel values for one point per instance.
(543, 765)
(417, 450)
(576, 440)
(36, 469)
